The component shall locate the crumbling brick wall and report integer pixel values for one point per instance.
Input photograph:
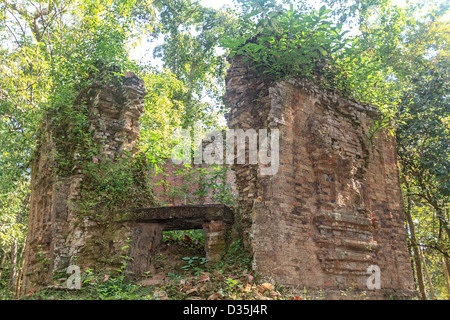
(176, 184)
(58, 236)
(334, 207)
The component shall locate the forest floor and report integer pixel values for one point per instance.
(178, 272)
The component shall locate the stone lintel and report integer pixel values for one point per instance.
(182, 217)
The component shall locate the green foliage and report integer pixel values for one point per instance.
(49, 53)
(186, 238)
(49, 59)
(209, 181)
(10, 228)
(194, 264)
(233, 285)
(191, 33)
(164, 110)
(285, 42)
(105, 287)
(433, 246)
(424, 134)
(237, 255)
(423, 139)
(109, 186)
(293, 40)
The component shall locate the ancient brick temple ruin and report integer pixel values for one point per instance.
(60, 235)
(333, 209)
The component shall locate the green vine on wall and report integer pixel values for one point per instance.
(110, 186)
(208, 180)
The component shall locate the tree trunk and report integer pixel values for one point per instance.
(413, 266)
(19, 276)
(2, 263)
(12, 283)
(443, 221)
(427, 274)
(446, 275)
(415, 248)
(14, 247)
(443, 248)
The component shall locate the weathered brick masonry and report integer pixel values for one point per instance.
(58, 236)
(334, 207)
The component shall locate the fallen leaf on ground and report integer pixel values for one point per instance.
(266, 287)
(215, 296)
(191, 291)
(275, 293)
(204, 278)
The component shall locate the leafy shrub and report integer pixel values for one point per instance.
(285, 42)
(187, 238)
